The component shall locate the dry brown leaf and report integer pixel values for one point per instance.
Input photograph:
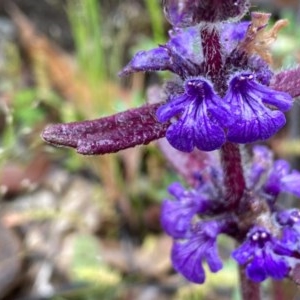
(258, 40)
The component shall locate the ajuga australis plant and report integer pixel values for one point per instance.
(223, 96)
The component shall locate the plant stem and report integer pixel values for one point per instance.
(234, 180)
(249, 289)
(211, 51)
(230, 154)
(235, 185)
(278, 291)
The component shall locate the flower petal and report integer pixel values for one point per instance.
(153, 60)
(243, 253)
(176, 190)
(172, 108)
(198, 126)
(255, 125)
(176, 215)
(212, 259)
(181, 134)
(187, 260)
(232, 34)
(176, 218)
(208, 134)
(187, 256)
(262, 162)
(256, 269)
(182, 55)
(283, 101)
(291, 183)
(273, 184)
(259, 254)
(261, 69)
(275, 266)
(201, 132)
(253, 120)
(187, 43)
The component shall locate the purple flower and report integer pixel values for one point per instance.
(223, 92)
(290, 218)
(188, 254)
(232, 34)
(252, 119)
(262, 162)
(261, 69)
(183, 13)
(176, 215)
(250, 111)
(193, 52)
(262, 255)
(182, 55)
(268, 179)
(244, 113)
(201, 115)
(281, 179)
(290, 222)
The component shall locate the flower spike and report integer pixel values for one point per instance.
(224, 93)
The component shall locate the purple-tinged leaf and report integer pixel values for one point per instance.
(287, 81)
(109, 134)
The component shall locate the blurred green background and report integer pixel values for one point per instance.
(74, 227)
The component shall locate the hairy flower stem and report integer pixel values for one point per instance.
(250, 290)
(212, 53)
(230, 153)
(234, 180)
(278, 291)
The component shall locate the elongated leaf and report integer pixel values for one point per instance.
(109, 134)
